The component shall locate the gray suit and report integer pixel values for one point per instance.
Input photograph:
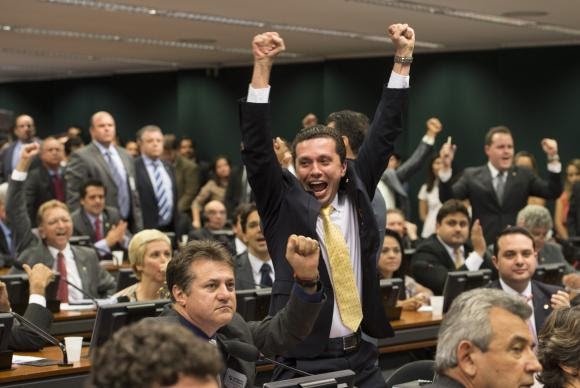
(31, 249)
(89, 163)
(83, 226)
(273, 335)
(395, 179)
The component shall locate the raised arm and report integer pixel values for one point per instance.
(552, 187)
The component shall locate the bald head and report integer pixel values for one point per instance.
(24, 128)
(215, 215)
(103, 128)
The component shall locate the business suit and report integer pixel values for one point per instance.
(31, 250)
(39, 189)
(82, 226)
(148, 199)
(285, 209)
(244, 274)
(187, 182)
(22, 338)
(573, 220)
(431, 262)
(542, 293)
(89, 163)
(6, 257)
(6, 156)
(395, 178)
(476, 184)
(272, 335)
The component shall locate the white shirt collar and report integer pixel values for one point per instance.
(494, 171)
(527, 292)
(257, 264)
(67, 251)
(450, 249)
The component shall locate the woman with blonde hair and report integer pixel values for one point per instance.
(149, 253)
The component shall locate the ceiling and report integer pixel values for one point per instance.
(52, 39)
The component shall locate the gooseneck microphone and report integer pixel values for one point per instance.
(45, 336)
(250, 353)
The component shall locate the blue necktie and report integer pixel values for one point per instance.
(122, 189)
(161, 194)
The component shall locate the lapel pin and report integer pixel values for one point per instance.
(546, 307)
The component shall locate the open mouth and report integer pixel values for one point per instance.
(317, 186)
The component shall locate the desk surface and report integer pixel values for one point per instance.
(25, 372)
(74, 315)
(410, 319)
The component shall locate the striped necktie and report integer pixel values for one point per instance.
(122, 189)
(161, 194)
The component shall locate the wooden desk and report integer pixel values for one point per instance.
(47, 376)
(73, 322)
(414, 330)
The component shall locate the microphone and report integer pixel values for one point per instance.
(45, 336)
(250, 353)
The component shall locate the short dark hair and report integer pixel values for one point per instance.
(353, 125)
(178, 272)
(512, 230)
(170, 142)
(240, 209)
(246, 213)
(450, 207)
(91, 182)
(493, 130)
(320, 131)
(72, 142)
(558, 344)
(153, 352)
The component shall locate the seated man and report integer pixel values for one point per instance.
(21, 337)
(239, 243)
(484, 341)
(214, 226)
(79, 265)
(202, 285)
(449, 249)
(253, 267)
(515, 258)
(101, 223)
(407, 231)
(538, 221)
(157, 355)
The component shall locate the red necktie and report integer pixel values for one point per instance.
(58, 189)
(62, 286)
(98, 236)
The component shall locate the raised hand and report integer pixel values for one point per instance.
(477, 238)
(303, 254)
(550, 147)
(447, 153)
(403, 38)
(560, 300)
(38, 277)
(27, 153)
(267, 46)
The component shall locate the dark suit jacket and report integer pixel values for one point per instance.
(149, 200)
(542, 293)
(573, 220)
(476, 184)
(6, 257)
(25, 340)
(444, 381)
(6, 162)
(83, 227)
(285, 208)
(272, 335)
(31, 250)
(89, 163)
(226, 237)
(39, 189)
(431, 262)
(244, 276)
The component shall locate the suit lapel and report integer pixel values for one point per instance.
(542, 307)
(100, 160)
(88, 227)
(81, 268)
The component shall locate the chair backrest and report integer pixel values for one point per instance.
(416, 370)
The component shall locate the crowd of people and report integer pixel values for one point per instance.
(319, 220)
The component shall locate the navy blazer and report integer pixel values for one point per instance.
(286, 208)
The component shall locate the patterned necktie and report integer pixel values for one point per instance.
(122, 189)
(344, 285)
(161, 194)
(266, 280)
(62, 286)
(458, 257)
(499, 186)
(98, 235)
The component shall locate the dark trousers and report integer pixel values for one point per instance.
(363, 361)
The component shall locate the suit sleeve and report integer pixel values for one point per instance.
(276, 334)
(454, 190)
(76, 172)
(106, 283)
(378, 145)
(17, 216)
(415, 162)
(22, 338)
(550, 189)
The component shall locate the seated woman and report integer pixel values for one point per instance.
(390, 267)
(149, 253)
(558, 349)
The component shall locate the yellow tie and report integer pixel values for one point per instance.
(458, 261)
(345, 290)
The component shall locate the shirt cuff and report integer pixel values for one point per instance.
(444, 176)
(428, 139)
(555, 167)
(38, 299)
(258, 96)
(398, 81)
(19, 175)
(102, 247)
(473, 261)
(309, 298)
